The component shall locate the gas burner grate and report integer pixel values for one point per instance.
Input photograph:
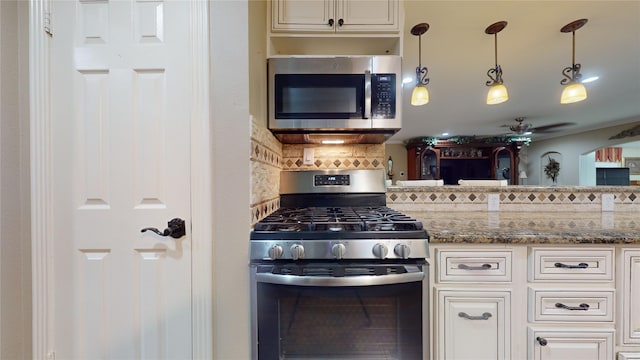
(337, 219)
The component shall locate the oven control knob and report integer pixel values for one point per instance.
(275, 252)
(338, 250)
(402, 250)
(380, 251)
(297, 251)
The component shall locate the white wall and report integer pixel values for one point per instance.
(399, 155)
(15, 274)
(572, 147)
(231, 187)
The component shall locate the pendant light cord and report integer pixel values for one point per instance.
(495, 39)
(573, 49)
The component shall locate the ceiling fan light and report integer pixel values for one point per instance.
(573, 92)
(497, 94)
(420, 95)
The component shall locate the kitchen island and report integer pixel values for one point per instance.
(526, 272)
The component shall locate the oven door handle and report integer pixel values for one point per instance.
(332, 281)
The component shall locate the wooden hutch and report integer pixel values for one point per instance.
(465, 157)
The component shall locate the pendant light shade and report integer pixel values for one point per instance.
(574, 90)
(420, 94)
(497, 92)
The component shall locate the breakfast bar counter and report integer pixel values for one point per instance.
(484, 227)
(523, 214)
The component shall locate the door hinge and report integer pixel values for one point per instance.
(47, 23)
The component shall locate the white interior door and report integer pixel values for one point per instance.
(120, 163)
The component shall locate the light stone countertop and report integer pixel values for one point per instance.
(484, 227)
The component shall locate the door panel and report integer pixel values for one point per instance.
(120, 105)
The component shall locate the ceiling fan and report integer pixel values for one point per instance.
(523, 128)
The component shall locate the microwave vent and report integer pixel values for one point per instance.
(346, 138)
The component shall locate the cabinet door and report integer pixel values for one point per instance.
(503, 165)
(367, 15)
(473, 325)
(563, 344)
(428, 165)
(630, 319)
(303, 15)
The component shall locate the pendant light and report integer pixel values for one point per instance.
(420, 94)
(574, 90)
(497, 92)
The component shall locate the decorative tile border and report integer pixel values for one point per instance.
(262, 153)
(453, 198)
(362, 156)
(259, 211)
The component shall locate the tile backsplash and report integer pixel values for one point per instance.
(266, 163)
(362, 156)
(268, 157)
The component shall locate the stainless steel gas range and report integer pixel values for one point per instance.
(338, 275)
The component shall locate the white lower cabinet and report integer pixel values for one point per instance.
(566, 344)
(534, 302)
(572, 291)
(629, 283)
(474, 325)
(475, 302)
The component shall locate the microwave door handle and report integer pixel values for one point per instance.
(367, 94)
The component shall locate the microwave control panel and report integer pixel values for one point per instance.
(383, 96)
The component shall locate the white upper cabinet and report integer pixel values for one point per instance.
(303, 15)
(334, 16)
(370, 15)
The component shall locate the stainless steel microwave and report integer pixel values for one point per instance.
(356, 96)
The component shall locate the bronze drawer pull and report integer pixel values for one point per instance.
(481, 267)
(542, 341)
(579, 307)
(579, 266)
(484, 316)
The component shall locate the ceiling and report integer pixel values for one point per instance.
(532, 53)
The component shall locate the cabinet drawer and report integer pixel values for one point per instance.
(565, 343)
(474, 266)
(571, 305)
(575, 264)
(629, 356)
